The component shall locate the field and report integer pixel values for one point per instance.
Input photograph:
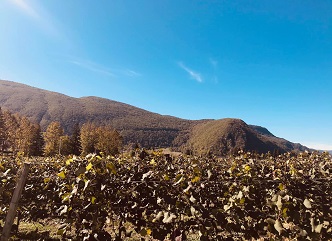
(153, 196)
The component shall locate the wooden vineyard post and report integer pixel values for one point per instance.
(14, 203)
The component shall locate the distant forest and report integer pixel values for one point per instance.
(19, 135)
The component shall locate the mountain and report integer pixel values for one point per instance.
(228, 135)
(137, 125)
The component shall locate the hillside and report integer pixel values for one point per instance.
(137, 125)
(229, 135)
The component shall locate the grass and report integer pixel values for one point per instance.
(48, 230)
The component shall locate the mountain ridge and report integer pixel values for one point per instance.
(140, 126)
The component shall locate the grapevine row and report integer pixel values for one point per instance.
(245, 196)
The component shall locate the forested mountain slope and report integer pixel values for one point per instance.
(137, 125)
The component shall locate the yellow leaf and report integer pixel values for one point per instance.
(89, 166)
(61, 231)
(153, 162)
(284, 212)
(111, 167)
(46, 180)
(195, 179)
(145, 232)
(166, 177)
(69, 161)
(93, 200)
(66, 197)
(281, 187)
(197, 170)
(247, 168)
(62, 175)
(242, 200)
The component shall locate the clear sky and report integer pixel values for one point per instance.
(266, 62)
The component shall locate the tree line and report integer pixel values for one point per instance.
(18, 134)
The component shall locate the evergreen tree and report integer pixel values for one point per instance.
(75, 140)
(38, 142)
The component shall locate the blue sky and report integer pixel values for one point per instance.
(266, 62)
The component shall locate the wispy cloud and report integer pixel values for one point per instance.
(101, 69)
(193, 74)
(94, 67)
(131, 73)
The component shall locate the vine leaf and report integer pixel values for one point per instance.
(89, 166)
(111, 167)
(278, 226)
(80, 171)
(168, 217)
(307, 203)
(62, 175)
(279, 203)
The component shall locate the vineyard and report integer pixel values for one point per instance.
(160, 197)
